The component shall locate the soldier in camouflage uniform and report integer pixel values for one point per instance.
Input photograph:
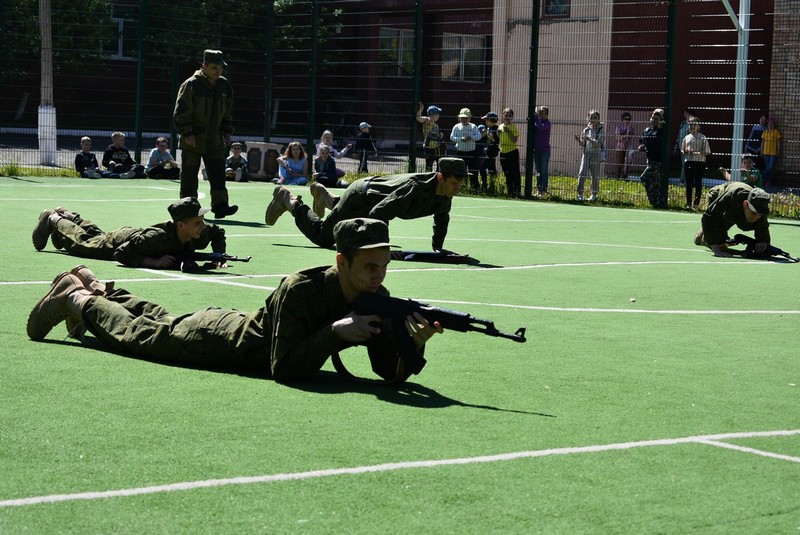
(303, 322)
(204, 118)
(734, 203)
(161, 246)
(407, 196)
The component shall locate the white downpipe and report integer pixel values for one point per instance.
(740, 94)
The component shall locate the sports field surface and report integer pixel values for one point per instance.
(658, 391)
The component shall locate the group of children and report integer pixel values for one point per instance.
(478, 146)
(118, 163)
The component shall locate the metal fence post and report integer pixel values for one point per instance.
(140, 79)
(412, 137)
(666, 146)
(534, 73)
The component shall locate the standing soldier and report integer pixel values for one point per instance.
(204, 119)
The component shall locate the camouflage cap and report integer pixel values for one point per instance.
(213, 56)
(453, 167)
(186, 208)
(361, 233)
(758, 199)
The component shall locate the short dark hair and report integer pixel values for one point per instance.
(626, 115)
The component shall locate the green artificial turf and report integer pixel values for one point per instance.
(634, 334)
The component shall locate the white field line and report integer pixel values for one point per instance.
(751, 450)
(387, 467)
(551, 220)
(214, 280)
(613, 310)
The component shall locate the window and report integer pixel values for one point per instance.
(463, 58)
(396, 52)
(119, 45)
(556, 9)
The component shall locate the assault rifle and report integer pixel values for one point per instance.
(189, 263)
(396, 310)
(437, 257)
(750, 251)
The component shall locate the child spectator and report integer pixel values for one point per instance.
(491, 150)
(509, 153)
(623, 152)
(325, 171)
(236, 164)
(293, 166)
(327, 139)
(748, 173)
(541, 148)
(161, 164)
(770, 149)
(592, 140)
(694, 149)
(86, 162)
(364, 144)
(432, 137)
(117, 159)
(651, 143)
(464, 135)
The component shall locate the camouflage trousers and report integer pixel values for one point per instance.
(651, 180)
(212, 337)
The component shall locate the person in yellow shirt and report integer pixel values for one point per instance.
(770, 149)
(509, 153)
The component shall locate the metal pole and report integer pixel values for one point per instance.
(533, 76)
(312, 85)
(175, 85)
(140, 79)
(415, 94)
(269, 46)
(672, 18)
(47, 111)
(742, 56)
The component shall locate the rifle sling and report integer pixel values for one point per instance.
(338, 365)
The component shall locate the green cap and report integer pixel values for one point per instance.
(453, 166)
(186, 208)
(759, 201)
(213, 56)
(361, 233)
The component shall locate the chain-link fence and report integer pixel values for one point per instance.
(300, 67)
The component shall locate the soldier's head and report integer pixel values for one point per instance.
(187, 214)
(757, 205)
(362, 254)
(213, 64)
(452, 175)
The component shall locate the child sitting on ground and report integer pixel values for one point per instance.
(236, 164)
(117, 159)
(325, 171)
(161, 164)
(86, 162)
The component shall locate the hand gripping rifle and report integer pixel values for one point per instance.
(210, 260)
(750, 251)
(396, 310)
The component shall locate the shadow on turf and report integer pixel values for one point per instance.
(410, 394)
(323, 382)
(398, 257)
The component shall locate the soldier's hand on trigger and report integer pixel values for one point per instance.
(357, 328)
(420, 330)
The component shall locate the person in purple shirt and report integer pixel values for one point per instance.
(541, 148)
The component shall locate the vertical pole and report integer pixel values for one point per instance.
(415, 93)
(312, 85)
(740, 93)
(140, 79)
(2, 58)
(174, 85)
(532, 79)
(672, 17)
(47, 111)
(269, 47)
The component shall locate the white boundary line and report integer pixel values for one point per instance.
(712, 440)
